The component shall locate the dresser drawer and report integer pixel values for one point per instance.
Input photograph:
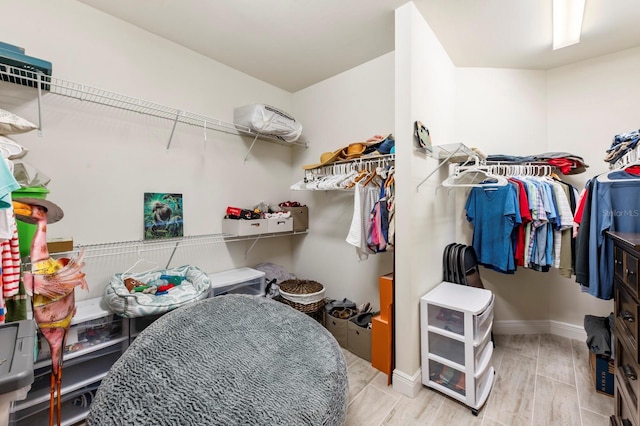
(626, 371)
(627, 317)
(625, 266)
(625, 413)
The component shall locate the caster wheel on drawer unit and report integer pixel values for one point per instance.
(474, 412)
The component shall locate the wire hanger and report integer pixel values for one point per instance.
(606, 177)
(141, 260)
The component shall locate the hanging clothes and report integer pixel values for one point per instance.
(539, 228)
(372, 227)
(613, 205)
(364, 199)
(10, 270)
(494, 213)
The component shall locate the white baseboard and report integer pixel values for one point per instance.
(540, 327)
(407, 385)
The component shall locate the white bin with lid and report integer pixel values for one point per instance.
(16, 366)
(238, 281)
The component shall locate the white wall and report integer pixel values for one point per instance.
(503, 111)
(588, 104)
(101, 160)
(349, 107)
(425, 91)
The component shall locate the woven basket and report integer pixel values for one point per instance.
(303, 295)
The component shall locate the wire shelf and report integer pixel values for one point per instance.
(449, 153)
(86, 93)
(142, 246)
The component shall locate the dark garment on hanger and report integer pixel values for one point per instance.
(573, 204)
(582, 241)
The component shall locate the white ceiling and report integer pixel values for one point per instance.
(293, 44)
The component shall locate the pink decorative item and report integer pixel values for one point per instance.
(51, 284)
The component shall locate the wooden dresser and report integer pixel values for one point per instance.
(626, 254)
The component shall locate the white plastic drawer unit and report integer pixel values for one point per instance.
(456, 344)
(238, 281)
(446, 312)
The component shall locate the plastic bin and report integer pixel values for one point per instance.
(16, 373)
(238, 281)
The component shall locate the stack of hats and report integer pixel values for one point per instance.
(374, 146)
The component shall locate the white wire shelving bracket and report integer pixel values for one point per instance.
(449, 153)
(86, 93)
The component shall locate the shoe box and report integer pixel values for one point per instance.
(349, 335)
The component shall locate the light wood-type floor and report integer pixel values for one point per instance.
(541, 379)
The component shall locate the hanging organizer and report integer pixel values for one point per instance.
(86, 93)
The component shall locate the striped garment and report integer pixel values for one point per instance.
(11, 264)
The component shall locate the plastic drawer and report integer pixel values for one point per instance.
(483, 385)
(454, 350)
(446, 319)
(483, 323)
(84, 335)
(444, 347)
(447, 377)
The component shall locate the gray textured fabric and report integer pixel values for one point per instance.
(227, 360)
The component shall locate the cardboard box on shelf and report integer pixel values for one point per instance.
(59, 245)
(242, 227)
(300, 217)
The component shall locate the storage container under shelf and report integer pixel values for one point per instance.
(97, 333)
(456, 346)
(242, 227)
(97, 338)
(238, 281)
(280, 224)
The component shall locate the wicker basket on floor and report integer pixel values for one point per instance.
(303, 295)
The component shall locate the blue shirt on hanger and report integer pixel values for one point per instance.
(493, 212)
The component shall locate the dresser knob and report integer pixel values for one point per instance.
(628, 371)
(626, 315)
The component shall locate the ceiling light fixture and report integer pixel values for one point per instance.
(567, 22)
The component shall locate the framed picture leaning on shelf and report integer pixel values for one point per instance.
(162, 215)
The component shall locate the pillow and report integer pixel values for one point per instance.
(11, 124)
(11, 149)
